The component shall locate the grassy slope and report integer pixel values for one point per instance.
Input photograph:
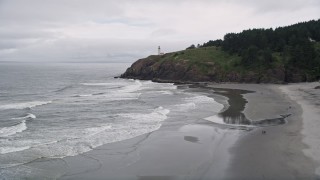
(204, 57)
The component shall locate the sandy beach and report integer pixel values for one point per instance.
(200, 149)
(308, 99)
(288, 151)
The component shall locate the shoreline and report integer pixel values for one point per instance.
(200, 149)
(190, 150)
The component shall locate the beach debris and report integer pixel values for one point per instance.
(317, 87)
(263, 132)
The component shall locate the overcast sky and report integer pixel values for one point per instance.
(124, 30)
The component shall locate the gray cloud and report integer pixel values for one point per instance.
(278, 5)
(94, 30)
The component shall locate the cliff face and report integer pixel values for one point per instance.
(172, 68)
(152, 68)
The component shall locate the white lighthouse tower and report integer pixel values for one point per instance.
(159, 51)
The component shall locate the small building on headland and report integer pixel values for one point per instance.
(159, 51)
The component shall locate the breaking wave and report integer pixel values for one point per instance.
(5, 150)
(28, 116)
(24, 105)
(8, 131)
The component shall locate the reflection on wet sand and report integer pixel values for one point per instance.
(234, 115)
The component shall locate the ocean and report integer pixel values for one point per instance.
(55, 110)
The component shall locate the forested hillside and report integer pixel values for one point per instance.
(281, 55)
(296, 46)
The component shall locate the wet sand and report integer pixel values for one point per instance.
(278, 154)
(200, 149)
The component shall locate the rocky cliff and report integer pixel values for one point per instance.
(207, 65)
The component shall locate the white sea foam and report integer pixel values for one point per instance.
(165, 92)
(24, 105)
(5, 150)
(122, 96)
(28, 116)
(206, 101)
(158, 115)
(8, 145)
(131, 88)
(157, 86)
(96, 130)
(96, 84)
(8, 131)
(200, 99)
(76, 142)
(136, 124)
(65, 142)
(185, 107)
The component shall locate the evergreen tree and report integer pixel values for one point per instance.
(192, 47)
(250, 56)
(298, 46)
